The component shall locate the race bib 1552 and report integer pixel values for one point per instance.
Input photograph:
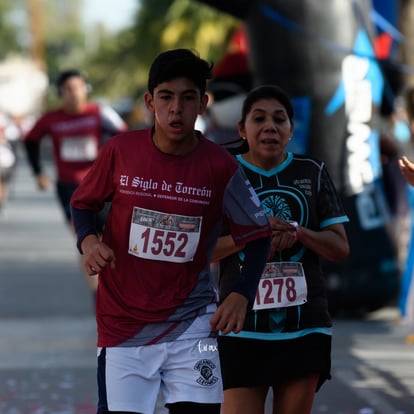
(162, 236)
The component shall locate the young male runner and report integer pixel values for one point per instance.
(170, 190)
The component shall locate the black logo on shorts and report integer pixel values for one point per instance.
(206, 367)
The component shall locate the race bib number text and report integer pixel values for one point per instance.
(78, 149)
(160, 236)
(282, 284)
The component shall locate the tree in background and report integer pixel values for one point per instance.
(9, 38)
(116, 64)
(120, 66)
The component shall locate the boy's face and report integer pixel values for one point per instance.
(175, 104)
(74, 93)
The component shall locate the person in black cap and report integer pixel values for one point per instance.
(77, 130)
(170, 190)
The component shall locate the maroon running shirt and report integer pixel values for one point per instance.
(165, 218)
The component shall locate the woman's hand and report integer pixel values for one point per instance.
(407, 169)
(229, 316)
(284, 235)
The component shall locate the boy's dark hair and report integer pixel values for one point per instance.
(266, 92)
(179, 63)
(65, 75)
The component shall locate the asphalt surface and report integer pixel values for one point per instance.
(47, 324)
(48, 333)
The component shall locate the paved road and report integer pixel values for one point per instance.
(47, 327)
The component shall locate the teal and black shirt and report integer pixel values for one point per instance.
(299, 189)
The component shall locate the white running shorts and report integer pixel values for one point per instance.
(130, 378)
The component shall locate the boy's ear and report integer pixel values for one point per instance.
(203, 104)
(149, 102)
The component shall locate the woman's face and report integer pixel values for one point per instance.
(267, 130)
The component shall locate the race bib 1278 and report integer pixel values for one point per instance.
(282, 284)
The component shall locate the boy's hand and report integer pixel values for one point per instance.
(229, 316)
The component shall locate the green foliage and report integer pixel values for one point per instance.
(181, 23)
(9, 39)
(121, 65)
(117, 65)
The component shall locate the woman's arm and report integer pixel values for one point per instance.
(330, 244)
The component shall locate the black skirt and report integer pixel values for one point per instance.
(253, 362)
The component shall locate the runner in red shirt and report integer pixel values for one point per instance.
(171, 190)
(77, 130)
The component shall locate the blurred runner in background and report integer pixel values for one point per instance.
(77, 130)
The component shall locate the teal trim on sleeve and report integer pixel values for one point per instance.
(334, 220)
